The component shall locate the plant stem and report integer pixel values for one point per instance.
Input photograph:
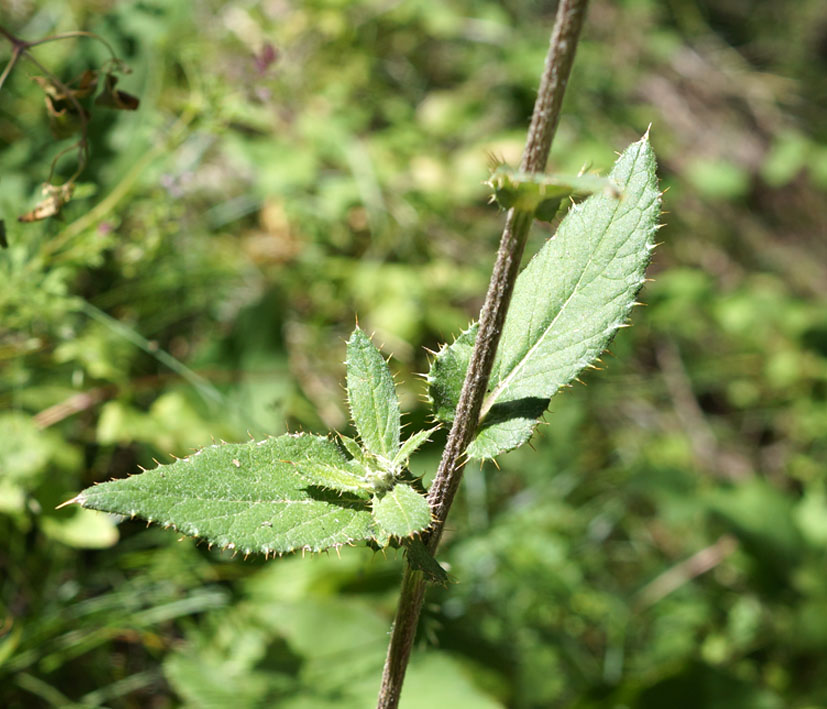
(17, 47)
(544, 119)
(76, 33)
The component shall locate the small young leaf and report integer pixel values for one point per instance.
(372, 396)
(355, 450)
(420, 559)
(401, 511)
(542, 193)
(244, 496)
(410, 446)
(344, 478)
(447, 374)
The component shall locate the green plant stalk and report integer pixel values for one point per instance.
(544, 120)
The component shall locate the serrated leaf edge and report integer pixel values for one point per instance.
(231, 546)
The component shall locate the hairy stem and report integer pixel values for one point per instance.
(559, 60)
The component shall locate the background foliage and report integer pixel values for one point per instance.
(295, 163)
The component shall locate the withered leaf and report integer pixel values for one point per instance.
(64, 118)
(87, 83)
(80, 87)
(55, 196)
(114, 98)
(66, 115)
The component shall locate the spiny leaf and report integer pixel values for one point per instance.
(410, 447)
(507, 427)
(355, 450)
(420, 559)
(345, 477)
(244, 496)
(568, 303)
(447, 374)
(372, 396)
(401, 511)
(578, 290)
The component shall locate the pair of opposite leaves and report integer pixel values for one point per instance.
(303, 492)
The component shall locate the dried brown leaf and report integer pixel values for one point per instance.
(55, 196)
(114, 98)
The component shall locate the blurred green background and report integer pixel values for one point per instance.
(296, 164)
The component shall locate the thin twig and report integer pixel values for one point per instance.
(559, 60)
(15, 55)
(82, 401)
(702, 440)
(699, 563)
(17, 47)
(70, 35)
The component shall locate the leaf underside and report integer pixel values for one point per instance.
(420, 559)
(567, 305)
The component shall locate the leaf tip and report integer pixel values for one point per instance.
(77, 499)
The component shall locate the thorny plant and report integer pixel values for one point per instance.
(536, 333)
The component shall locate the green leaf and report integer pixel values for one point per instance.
(420, 559)
(578, 290)
(447, 374)
(244, 496)
(410, 446)
(507, 428)
(568, 303)
(372, 396)
(402, 511)
(347, 477)
(355, 450)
